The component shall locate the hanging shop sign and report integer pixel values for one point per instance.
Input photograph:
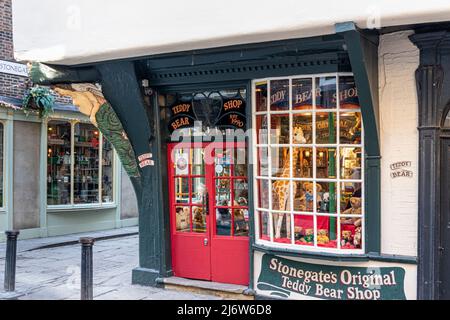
(398, 169)
(229, 114)
(285, 278)
(145, 160)
(14, 68)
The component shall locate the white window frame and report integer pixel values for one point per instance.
(292, 246)
(73, 205)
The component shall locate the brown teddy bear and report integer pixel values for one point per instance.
(357, 239)
(307, 197)
(198, 218)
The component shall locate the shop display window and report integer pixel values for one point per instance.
(80, 165)
(309, 192)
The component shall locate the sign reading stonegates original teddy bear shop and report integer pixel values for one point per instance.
(286, 278)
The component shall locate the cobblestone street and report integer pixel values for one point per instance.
(54, 273)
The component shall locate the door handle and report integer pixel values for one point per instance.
(205, 241)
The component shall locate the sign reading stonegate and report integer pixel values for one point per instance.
(17, 69)
(284, 277)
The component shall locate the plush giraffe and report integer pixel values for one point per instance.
(281, 187)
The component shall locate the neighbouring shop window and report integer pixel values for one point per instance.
(309, 163)
(77, 157)
(2, 204)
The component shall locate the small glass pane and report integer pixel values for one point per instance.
(326, 232)
(198, 190)
(351, 201)
(326, 93)
(181, 162)
(182, 219)
(351, 233)
(302, 94)
(222, 161)
(280, 161)
(279, 95)
(240, 222)
(223, 221)
(304, 230)
(281, 227)
(181, 190)
(350, 161)
(198, 219)
(263, 193)
(58, 162)
(261, 96)
(302, 162)
(261, 129)
(223, 192)
(240, 192)
(279, 129)
(198, 163)
(350, 127)
(302, 128)
(348, 94)
(326, 197)
(280, 195)
(304, 196)
(263, 161)
(240, 162)
(326, 127)
(264, 233)
(86, 168)
(326, 163)
(107, 171)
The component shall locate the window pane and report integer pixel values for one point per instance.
(281, 227)
(263, 193)
(240, 222)
(198, 190)
(348, 94)
(240, 162)
(280, 195)
(326, 197)
(350, 128)
(58, 162)
(326, 127)
(263, 161)
(261, 129)
(326, 93)
(261, 96)
(223, 221)
(198, 164)
(181, 162)
(223, 192)
(279, 129)
(222, 161)
(279, 95)
(304, 230)
(350, 163)
(302, 162)
(303, 196)
(351, 198)
(301, 94)
(107, 172)
(326, 232)
(181, 190)
(326, 163)
(264, 233)
(280, 161)
(198, 219)
(302, 124)
(351, 234)
(182, 219)
(86, 140)
(240, 192)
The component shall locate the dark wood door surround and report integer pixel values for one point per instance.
(433, 90)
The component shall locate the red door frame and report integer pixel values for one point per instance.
(224, 258)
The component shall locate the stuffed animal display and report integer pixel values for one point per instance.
(322, 236)
(198, 218)
(182, 218)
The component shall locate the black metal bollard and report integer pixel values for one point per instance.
(87, 274)
(10, 263)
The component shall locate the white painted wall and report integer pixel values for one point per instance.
(398, 60)
(76, 31)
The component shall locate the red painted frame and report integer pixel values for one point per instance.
(224, 258)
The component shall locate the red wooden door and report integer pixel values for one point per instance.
(209, 211)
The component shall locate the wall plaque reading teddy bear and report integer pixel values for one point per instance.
(398, 169)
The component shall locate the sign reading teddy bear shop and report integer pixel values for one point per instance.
(287, 278)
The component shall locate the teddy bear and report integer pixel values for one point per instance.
(355, 208)
(346, 238)
(182, 218)
(309, 236)
(307, 198)
(299, 136)
(322, 236)
(357, 238)
(198, 218)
